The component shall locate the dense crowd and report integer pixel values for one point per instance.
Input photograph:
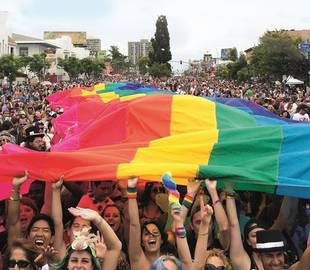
(145, 225)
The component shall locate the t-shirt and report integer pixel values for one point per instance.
(301, 117)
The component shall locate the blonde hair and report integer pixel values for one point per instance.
(220, 254)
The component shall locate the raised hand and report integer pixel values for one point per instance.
(100, 246)
(19, 180)
(47, 254)
(211, 185)
(192, 187)
(206, 212)
(122, 184)
(132, 182)
(85, 213)
(57, 185)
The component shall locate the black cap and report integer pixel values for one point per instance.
(33, 131)
(269, 241)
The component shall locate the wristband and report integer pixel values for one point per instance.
(98, 221)
(180, 232)
(217, 201)
(188, 201)
(131, 193)
(231, 194)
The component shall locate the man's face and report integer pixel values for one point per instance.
(103, 189)
(40, 234)
(273, 260)
(38, 144)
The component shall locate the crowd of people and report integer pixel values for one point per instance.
(138, 224)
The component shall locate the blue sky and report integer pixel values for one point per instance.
(195, 26)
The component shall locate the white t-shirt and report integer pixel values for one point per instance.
(301, 117)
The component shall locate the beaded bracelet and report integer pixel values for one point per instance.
(180, 232)
(188, 201)
(131, 193)
(217, 201)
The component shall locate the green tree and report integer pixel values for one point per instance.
(9, 66)
(233, 55)
(222, 72)
(159, 70)
(143, 65)
(118, 60)
(71, 65)
(38, 64)
(98, 66)
(277, 55)
(160, 52)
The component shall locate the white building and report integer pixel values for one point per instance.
(66, 48)
(7, 44)
(138, 49)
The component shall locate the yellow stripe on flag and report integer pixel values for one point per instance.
(127, 98)
(107, 97)
(99, 86)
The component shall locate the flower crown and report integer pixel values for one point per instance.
(84, 239)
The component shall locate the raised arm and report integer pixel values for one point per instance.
(181, 241)
(206, 213)
(220, 214)
(192, 189)
(59, 243)
(112, 243)
(134, 246)
(13, 222)
(240, 259)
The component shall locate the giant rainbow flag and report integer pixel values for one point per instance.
(113, 131)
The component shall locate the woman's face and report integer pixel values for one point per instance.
(18, 260)
(80, 260)
(77, 226)
(151, 238)
(156, 188)
(112, 217)
(26, 213)
(252, 237)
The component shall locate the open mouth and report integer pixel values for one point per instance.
(39, 242)
(23, 220)
(152, 242)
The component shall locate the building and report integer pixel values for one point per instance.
(138, 49)
(304, 35)
(7, 44)
(93, 45)
(78, 38)
(28, 46)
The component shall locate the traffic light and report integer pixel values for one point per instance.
(181, 62)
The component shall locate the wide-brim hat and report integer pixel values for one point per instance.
(33, 131)
(269, 241)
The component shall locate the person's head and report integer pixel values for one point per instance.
(285, 114)
(34, 139)
(76, 225)
(166, 262)
(270, 247)
(113, 216)
(196, 221)
(102, 189)
(151, 189)
(5, 137)
(250, 230)
(41, 231)
(216, 260)
(152, 237)
(21, 256)
(36, 193)
(77, 258)
(27, 210)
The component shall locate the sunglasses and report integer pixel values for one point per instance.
(158, 190)
(20, 264)
(212, 267)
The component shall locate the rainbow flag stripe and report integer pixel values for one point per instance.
(113, 131)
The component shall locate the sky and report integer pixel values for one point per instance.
(196, 27)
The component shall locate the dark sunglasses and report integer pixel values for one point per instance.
(20, 264)
(212, 267)
(158, 190)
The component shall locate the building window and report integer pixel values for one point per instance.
(23, 51)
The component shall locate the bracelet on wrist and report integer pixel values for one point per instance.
(217, 201)
(188, 201)
(14, 199)
(203, 233)
(180, 232)
(98, 221)
(231, 194)
(100, 260)
(131, 193)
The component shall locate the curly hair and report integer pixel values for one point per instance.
(220, 254)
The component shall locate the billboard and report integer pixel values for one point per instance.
(78, 38)
(225, 53)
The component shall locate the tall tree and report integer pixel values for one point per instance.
(277, 55)
(118, 61)
(71, 65)
(233, 54)
(160, 52)
(38, 64)
(9, 66)
(143, 64)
